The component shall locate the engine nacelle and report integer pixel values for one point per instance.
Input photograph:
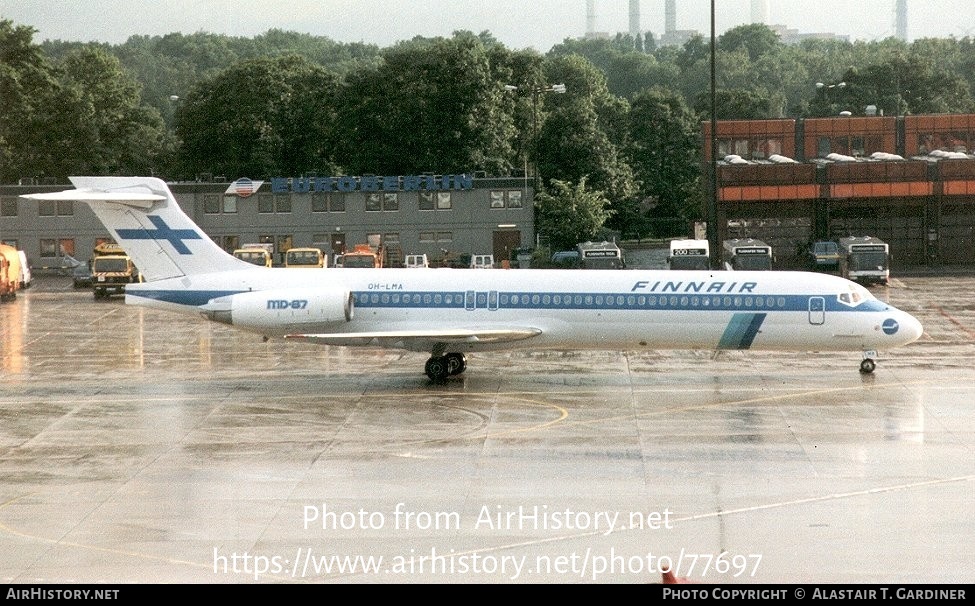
(283, 311)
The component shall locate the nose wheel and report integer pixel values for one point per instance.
(867, 366)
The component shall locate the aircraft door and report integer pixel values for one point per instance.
(817, 310)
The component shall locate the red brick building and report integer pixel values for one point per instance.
(909, 181)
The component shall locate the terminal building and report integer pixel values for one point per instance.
(908, 180)
(436, 215)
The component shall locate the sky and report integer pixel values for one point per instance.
(538, 24)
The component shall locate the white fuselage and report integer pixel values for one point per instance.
(571, 309)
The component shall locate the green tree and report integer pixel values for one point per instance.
(260, 118)
(911, 84)
(581, 131)
(431, 105)
(569, 214)
(35, 120)
(664, 151)
(756, 39)
(124, 136)
(735, 104)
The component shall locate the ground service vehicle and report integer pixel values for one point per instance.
(689, 254)
(255, 254)
(111, 270)
(305, 257)
(864, 259)
(363, 255)
(566, 258)
(482, 261)
(414, 261)
(8, 286)
(824, 255)
(746, 254)
(600, 255)
(16, 267)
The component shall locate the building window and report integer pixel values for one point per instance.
(282, 203)
(230, 204)
(211, 204)
(445, 236)
(514, 198)
(426, 200)
(55, 208)
(391, 201)
(953, 142)
(391, 240)
(428, 236)
(319, 203)
(443, 200)
(497, 199)
(336, 204)
(373, 203)
(265, 203)
(8, 207)
(51, 248)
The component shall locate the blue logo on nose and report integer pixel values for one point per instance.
(890, 326)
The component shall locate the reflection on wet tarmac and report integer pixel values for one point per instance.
(138, 446)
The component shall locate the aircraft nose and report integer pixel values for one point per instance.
(912, 327)
(907, 328)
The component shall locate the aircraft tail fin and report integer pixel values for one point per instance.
(144, 218)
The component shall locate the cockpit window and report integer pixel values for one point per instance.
(854, 297)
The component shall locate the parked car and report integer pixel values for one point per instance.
(81, 276)
(824, 256)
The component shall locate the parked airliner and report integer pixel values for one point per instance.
(451, 312)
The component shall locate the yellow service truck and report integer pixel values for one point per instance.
(111, 270)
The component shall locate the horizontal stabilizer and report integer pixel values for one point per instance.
(90, 195)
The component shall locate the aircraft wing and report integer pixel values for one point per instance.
(421, 339)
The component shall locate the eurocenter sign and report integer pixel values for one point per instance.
(305, 185)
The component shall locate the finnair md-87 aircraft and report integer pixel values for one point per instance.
(451, 312)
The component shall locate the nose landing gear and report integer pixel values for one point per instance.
(868, 365)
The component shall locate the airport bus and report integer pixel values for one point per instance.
(746, 254)
(689, 254)
(864, 259)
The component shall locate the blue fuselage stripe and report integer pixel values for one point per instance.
(741, 331)
(751, 305)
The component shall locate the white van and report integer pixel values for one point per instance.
(413, 261)
(25, 277)
(482, 261)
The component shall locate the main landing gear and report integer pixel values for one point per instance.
(441, 366)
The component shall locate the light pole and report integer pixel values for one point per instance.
(827, 90)
(712, 214)
(535, 93)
